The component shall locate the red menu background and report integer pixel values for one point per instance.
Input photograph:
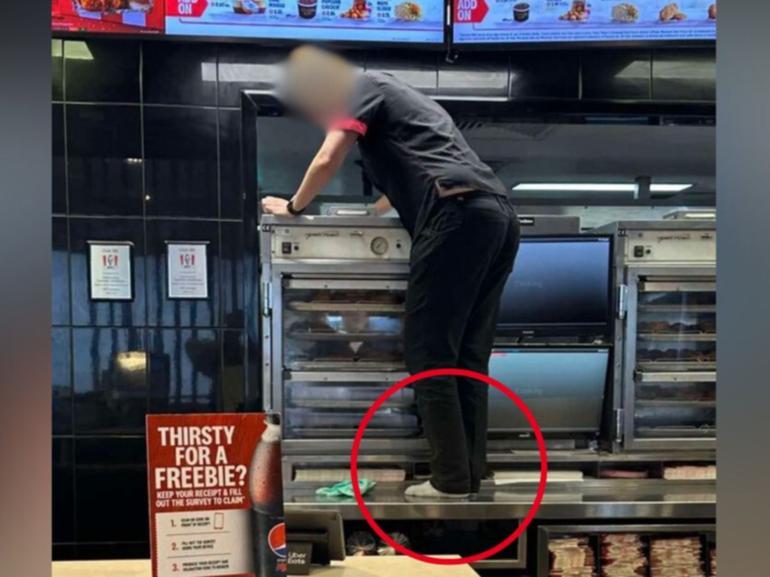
(71, 16)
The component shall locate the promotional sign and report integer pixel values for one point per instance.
(409, 21)
(187, 270)
(506, 21)
(109, 16)
(109, 268)
(215, 495)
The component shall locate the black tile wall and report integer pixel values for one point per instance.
(57, 70)
(102, 71)
(109, 380)
(180, 73)
(110, 471)
(62, 485)
(141, 154)
(60, 274)
(104, 158)
(61, 381)
(58, 170)
(185, 370)
(231, 195)
(181, 161)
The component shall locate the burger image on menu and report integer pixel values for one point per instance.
(713, 12)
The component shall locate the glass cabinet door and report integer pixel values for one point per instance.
(317, 406)
(675, 359)
(343, 325)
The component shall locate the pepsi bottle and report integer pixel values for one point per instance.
(266, 492)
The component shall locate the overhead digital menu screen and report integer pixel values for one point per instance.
(407, 21)
(531, 21)
(108, 16)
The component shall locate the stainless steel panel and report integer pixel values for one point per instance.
(340, 243)
(345, 284)
(671, 246)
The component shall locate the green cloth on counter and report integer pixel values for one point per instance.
(345, 488)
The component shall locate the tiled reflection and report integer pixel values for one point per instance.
(185, 370)
(61, 382)
(110, 381)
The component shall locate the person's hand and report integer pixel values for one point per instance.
(275, 205)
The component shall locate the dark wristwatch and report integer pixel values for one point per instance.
(293, 211)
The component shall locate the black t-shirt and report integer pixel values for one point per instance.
(410, 146)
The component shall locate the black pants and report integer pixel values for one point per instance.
(462, 255)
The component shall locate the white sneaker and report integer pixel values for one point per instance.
(427, 491)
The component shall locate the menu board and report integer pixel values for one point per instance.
(509, 21)
(108, 16)
(407, 21)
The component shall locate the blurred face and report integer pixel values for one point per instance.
(318, 84)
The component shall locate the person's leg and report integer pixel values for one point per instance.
(434, 324)
(475, 350)
(449, 257)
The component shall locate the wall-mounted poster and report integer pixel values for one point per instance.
(109, 271)
(187, 270)
(407, 21)
(523, 21)
(108, 16)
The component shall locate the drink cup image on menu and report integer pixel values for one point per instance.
(521, 12)
(307, 8)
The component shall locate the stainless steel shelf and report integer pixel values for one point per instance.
(678, 337)
(344, 307)
(340, 336)
(594, 499)
(343, 405)
(344, 376)
(675, 403)
(671, 366)
(678, 308)
(676, 377)
(351, 365)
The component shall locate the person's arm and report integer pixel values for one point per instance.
(382, 205)
(322, 169)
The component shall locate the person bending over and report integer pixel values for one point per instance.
(464, 230)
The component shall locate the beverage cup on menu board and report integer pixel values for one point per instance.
(307, 8)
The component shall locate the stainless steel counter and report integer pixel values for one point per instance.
(323, 220)
(590, 499)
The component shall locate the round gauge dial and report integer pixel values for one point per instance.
(379, 245)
